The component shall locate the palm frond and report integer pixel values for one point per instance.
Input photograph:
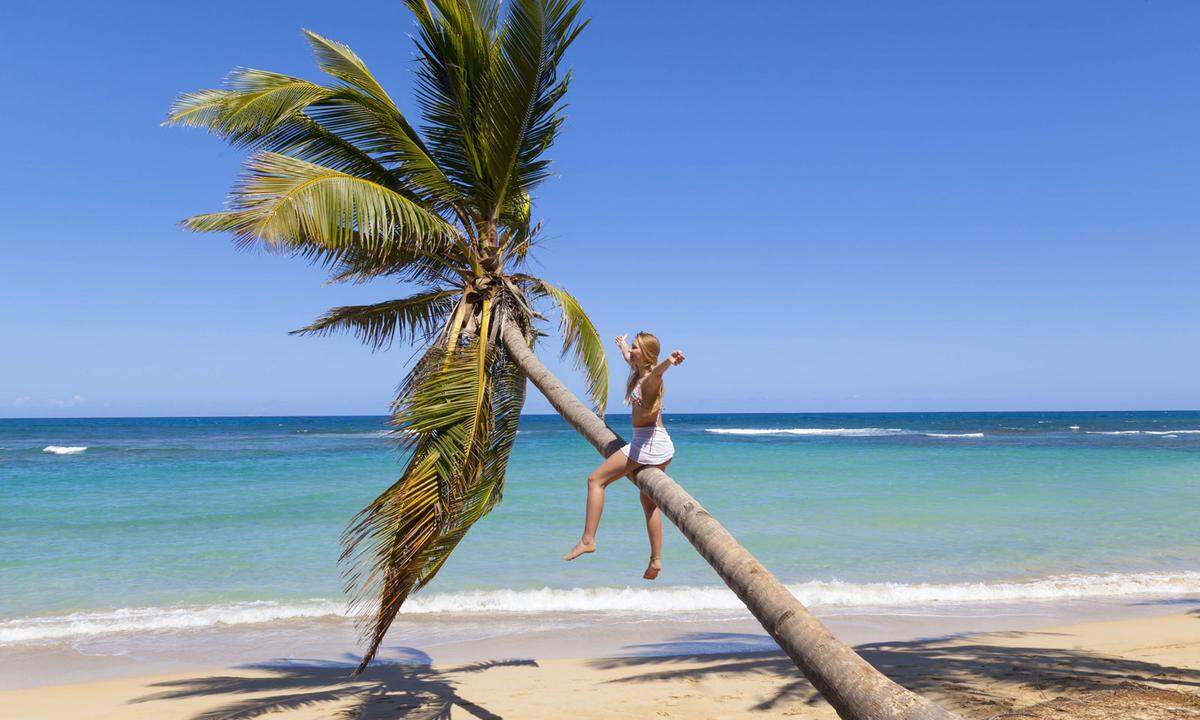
(379, 324)
(284, 202)
(262, 110)
(446, 264)
(490, 95)
(339, 60)
(454, 52)
(251, 103)
(398, 543)
(508, 398)
(485, 13)
(581, 340)
(304, 138)
(383, 545)
(524, 94)
(362, 113)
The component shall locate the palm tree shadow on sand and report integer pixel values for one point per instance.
(969, 677)
(413, 690)
(975, 677)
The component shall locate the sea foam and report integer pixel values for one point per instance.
(669, 601)
(1143, 432)
(64, 450)
(955, 435)
(832, 593)
(836, 432)
(151, 619)
(830, 432)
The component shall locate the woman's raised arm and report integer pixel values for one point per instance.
(623, 346)
(674, 358)
(654, 380)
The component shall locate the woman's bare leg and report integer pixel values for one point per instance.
(613, 467)
(654, 532)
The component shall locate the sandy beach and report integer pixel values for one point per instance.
(980, 675)
(513, 358)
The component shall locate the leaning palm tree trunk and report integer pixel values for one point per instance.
(851, 685)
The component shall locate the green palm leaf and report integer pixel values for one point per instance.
(364, 114)
(398, 543)
(252, 102)
(340, 61)
(490, 97)
(508, 398)
(282, 200)
(454, 54)
(446, 265)
(377, 325)
(266, 111)
(581, 340)
(524, 94)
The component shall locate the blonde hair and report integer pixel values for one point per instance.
(650, 348)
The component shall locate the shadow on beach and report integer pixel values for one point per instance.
(980, 676)
(976, 678)
(415, 691)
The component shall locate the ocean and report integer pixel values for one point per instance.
(113, 529)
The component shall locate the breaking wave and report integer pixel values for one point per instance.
(836, 432)
(1143, 432)
(670, 601)
(64, 450)
(828, 432)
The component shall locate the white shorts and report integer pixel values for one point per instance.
(651, 446)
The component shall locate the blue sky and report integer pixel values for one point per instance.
(828, 206)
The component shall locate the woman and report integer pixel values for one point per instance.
(651, 445)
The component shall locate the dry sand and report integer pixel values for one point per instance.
(1112, 669)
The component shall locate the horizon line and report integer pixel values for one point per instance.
(555, 414)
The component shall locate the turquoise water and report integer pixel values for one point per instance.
(210, 514)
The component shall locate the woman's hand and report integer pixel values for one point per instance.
(623, 346)
(676, 357)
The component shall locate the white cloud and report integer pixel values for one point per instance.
(29, 401)
(74, 400)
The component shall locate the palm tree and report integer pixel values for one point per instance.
(339, 176)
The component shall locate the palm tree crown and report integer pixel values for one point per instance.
(340, 177)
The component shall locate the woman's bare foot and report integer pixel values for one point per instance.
(581, 548)
(652, 569)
